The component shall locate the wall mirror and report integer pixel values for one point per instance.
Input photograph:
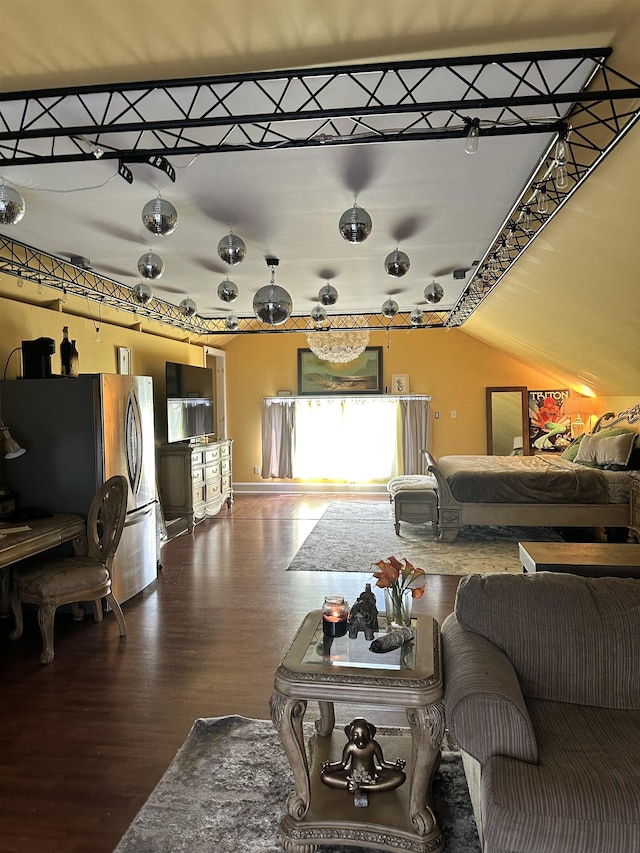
(507, 421)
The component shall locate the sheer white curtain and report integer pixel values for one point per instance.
(352, 440)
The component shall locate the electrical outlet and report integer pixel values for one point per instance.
(454, 414)
(436, 415)
(256, 469)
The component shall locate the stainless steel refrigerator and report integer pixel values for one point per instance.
(78, 432)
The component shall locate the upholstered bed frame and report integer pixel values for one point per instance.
(453, 515)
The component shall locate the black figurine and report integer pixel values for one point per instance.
(363, 615)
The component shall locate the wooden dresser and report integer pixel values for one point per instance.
(195, 480)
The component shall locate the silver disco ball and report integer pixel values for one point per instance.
(142, 293)
(232, 323)
(12, 206)
(150, 266)
(416, 318)
(232, 249)
(355, 224)
(397, 263)
(160, 217)
(390, 308)
(318, 314)
(188, 307)
(433, 293)
(228, 290)
(272, 304)
(328, 295)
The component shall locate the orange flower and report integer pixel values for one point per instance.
(398, 577)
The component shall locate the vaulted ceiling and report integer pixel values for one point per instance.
(570, 303)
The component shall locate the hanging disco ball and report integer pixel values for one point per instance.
(416, 318)
(188, 308)
(328, 295)
(232, 249)
(142, 293)
(397, 263)
(272, 304)
(232, 323)
(318, 314)
(12, 206)
(228, 290)
(433, 293)
(355, 224)
(390, 308)
(160, 217)
(150, 266)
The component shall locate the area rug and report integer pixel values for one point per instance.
(352, 534)
(226, 788)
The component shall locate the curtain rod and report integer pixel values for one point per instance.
(361, 397)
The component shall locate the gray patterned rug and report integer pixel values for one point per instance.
(353, 534)
(225, 791)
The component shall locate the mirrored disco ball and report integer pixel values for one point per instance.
(433, 292)
(416, 318)
(232, 249)
(142, 293)
(318, 314)
(160, 217)
(12, 206)
(232, 323)
(188, 307)
(397, 263)
(390, 308)
(355, 224)
(328, 295)
(272, 304)
(150, 266)
(228, 290)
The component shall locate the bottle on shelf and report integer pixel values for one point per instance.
(65, 352)
(73, 360)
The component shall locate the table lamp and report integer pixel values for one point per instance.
(578, 406)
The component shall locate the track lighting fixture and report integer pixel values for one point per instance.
(228, 290)
(473, 133)
(272, 304)
(232, 249)
(355, 224)
(159, 216)
(150, 266)
(12, 206)
(397, 263)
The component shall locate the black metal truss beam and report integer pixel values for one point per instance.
(302, 108)
(32, 266)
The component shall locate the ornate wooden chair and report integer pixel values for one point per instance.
(70, 580)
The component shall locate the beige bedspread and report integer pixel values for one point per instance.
(522, 479)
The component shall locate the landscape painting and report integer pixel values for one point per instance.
(363, 375)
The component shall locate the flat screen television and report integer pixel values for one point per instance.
(190, 407)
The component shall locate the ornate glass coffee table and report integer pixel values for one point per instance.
(328, 670)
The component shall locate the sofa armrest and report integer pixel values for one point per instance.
(485, 708)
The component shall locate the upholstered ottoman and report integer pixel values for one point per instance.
(415, 499)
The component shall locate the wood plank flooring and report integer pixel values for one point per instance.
(84, 741)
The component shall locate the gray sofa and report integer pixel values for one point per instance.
(542, 692)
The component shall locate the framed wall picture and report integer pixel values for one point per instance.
(363, 375)
(549, 424)
(124, 360)
(400, 383)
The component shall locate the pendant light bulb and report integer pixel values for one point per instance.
(473, 134)
(542, 199)
(562, 178)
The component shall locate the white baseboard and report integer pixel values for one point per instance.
(266, 488)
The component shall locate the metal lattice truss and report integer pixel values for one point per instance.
(573, 95)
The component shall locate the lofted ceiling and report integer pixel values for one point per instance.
(427, 197)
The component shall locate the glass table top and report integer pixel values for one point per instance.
(356, 654)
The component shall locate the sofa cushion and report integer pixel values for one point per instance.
(570, 638)
(583, 795)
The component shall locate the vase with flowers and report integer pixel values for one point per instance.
(401, 582)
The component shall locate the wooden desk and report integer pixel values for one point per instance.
(590, 559)
(45, 533)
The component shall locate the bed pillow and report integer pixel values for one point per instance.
(604, 451)
(571, 451)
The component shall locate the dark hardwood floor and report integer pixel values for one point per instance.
(84, 740)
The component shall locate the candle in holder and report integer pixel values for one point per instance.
(334, 616)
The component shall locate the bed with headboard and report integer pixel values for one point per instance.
(587, 485)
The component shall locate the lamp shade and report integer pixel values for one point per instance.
(10, 447)
(579, 406)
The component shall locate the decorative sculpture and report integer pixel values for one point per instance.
(391, 640)
(363, 768)
(363, 615)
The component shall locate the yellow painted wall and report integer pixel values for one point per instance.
(449, 365)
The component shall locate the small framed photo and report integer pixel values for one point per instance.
(400, 383)
(124, 361)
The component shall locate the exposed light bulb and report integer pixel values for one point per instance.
(526, 220)
(503, 251)
(560, 153)
(542, 199)
(65, 296)
(40, 287)
(97, 327)
(473, 134)
(20, 281)
(562, 178)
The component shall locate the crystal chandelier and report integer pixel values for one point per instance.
(337, 346)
